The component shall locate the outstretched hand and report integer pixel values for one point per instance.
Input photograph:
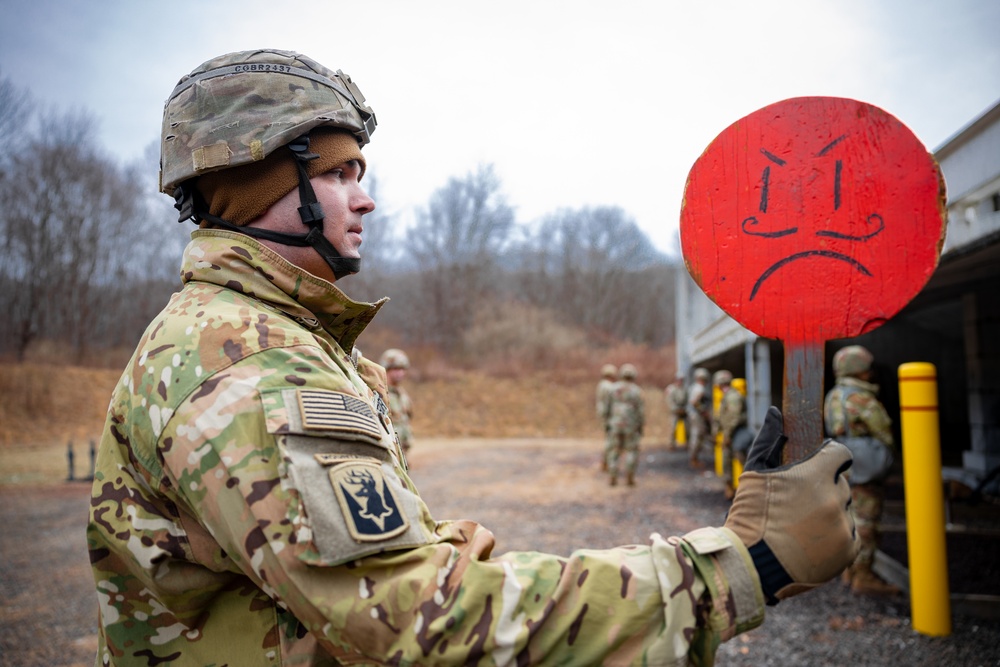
(795, 518)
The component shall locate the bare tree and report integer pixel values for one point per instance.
(584, 265)
(89, 250)
(16, 113)
(139, 282)
(162, 236)
(456, 244)
(65, 215)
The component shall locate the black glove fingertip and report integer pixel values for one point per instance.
(766, 449)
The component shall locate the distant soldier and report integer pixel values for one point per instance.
(850, 410)
(732, 414)
(396, 364)
(699, 415)
(603, 408)
(676, 395)
(627, 420)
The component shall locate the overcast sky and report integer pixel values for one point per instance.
(575, 102)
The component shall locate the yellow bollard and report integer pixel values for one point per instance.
(718, 455)
(740, 385)
(925, 533)
(680, 433)
(716, 401)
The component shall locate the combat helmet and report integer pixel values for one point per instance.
(239, 108)
(722, 377)
(609, 371)
(701, 374)
(394, 358)
(627, 372)
(852, 361)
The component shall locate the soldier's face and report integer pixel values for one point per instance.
(396, 375)
(344, 203)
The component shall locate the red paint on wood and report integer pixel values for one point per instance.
(813, 218)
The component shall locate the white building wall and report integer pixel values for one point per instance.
(970, 162)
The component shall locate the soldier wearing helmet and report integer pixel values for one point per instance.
(699, 416)
(396, 364)
(732, 414)
(251, 504)
(609, 375)
(627, 418)
(852, 410)
(230, 175)
(676, 395)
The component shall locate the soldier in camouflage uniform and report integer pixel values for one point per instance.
(396, 363)
(676, 396)
(732, 414)
(603, 408)
(627, 420)
(250, 503)
(851, 408)
(699, 415)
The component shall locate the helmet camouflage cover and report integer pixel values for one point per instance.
(609, 371)
(701, 374)
(240, 107)
(722, 377)
(627, 372)
(394, 358)
(852, 361)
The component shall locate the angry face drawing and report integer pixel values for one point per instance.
(813, 218)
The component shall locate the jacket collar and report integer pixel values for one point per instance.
(237, 262)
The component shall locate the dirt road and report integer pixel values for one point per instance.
(543, 495)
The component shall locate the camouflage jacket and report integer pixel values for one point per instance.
(732, 413)
(851, 408)
(699, 402)
(400, 412)
(677, 399)
(603, 403)
(627, 411)
(250, 507)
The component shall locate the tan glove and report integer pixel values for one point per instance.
(794, 519)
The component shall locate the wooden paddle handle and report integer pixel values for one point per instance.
(802, 399)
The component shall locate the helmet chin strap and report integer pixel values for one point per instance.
(310, 211)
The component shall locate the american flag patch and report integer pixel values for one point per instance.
(334, 411)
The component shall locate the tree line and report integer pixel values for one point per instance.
(90, 251)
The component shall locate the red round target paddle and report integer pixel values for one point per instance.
(811, 219)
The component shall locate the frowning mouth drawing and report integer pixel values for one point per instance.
(802, 255)
(751, 226)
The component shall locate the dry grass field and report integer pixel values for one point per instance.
(518, 455)
(44, 408)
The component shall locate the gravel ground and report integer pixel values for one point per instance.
(534, 495)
